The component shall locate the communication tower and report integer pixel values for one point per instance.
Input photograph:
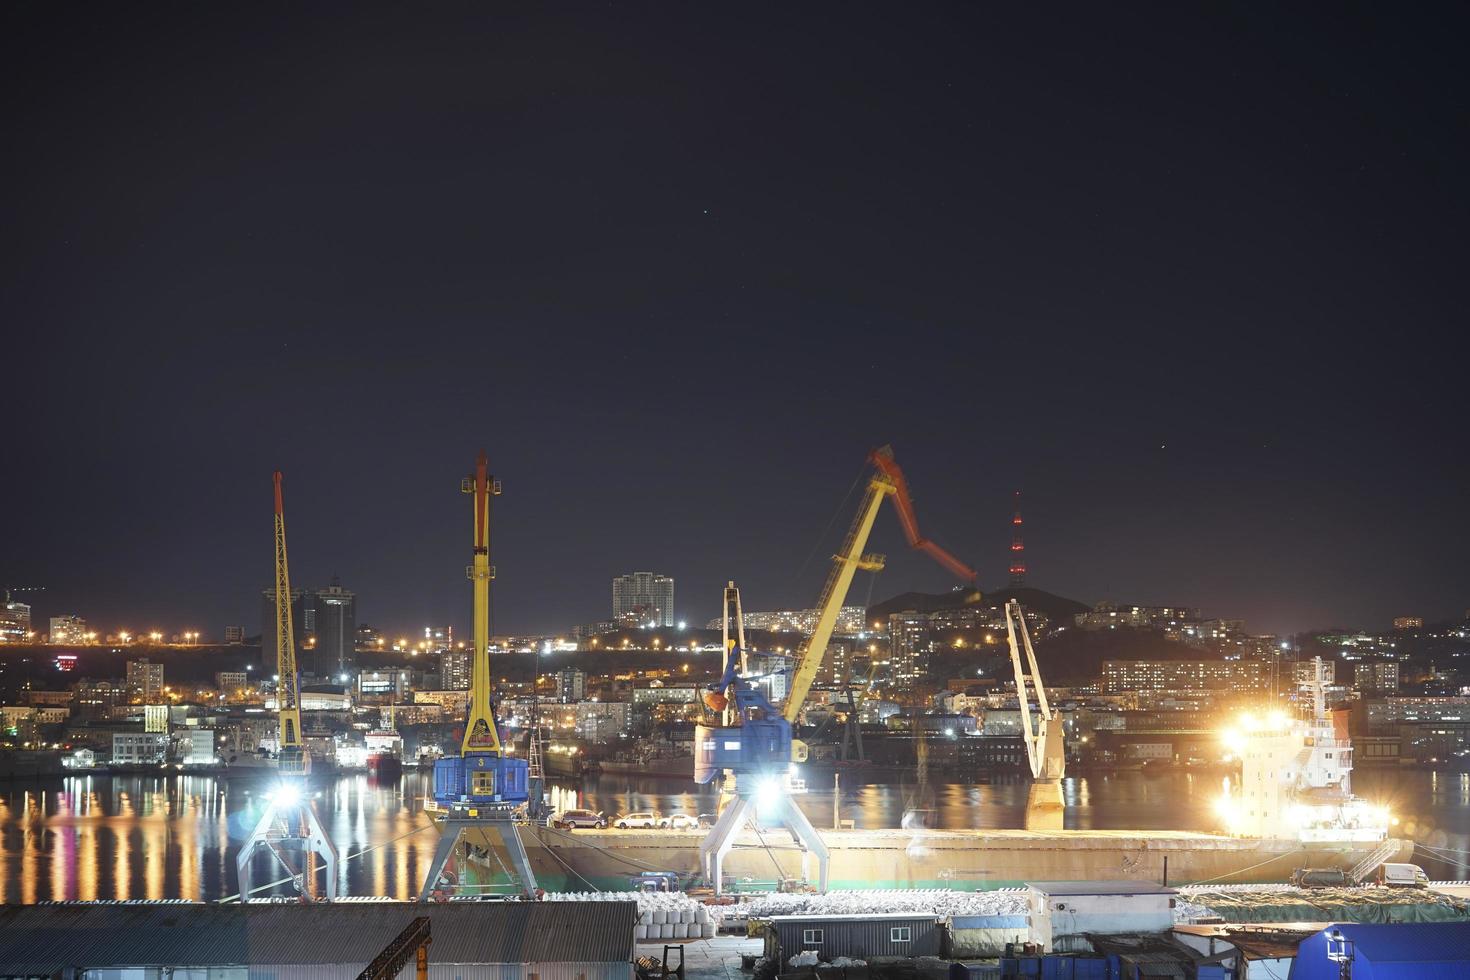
(1018, 547)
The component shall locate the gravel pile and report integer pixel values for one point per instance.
(933, 901)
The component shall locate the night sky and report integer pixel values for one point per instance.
(1190, 276)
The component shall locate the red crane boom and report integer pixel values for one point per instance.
(883, 460)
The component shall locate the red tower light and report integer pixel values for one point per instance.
(1018, 547)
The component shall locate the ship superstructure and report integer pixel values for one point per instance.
(1296, 776)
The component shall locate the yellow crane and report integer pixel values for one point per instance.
(288, 824)
(755, 743)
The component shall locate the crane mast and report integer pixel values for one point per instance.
(1045, 749)
(845, 565)
(288, 829)
(481, 792)
(292, 757)
(480, 734)
(887, 481)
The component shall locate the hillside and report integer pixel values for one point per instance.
(1059, 609)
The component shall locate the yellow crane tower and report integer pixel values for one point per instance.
(288, 828)
(482, 792)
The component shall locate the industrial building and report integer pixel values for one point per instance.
(884, 935)
(152, 940)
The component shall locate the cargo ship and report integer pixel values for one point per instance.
(384, 754)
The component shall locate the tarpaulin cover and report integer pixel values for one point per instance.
(1381, 905)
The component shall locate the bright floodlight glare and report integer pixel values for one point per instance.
(288, 795)
(768, 791)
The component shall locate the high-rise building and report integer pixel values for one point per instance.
(643, 599)
(234, 634)
(439, 638)
(335, 651)
(68, 629)
(454, 669)
(1376, 678)
(910, 641)
(145, 681)
(15, 621)
(571, 685)
(301, 603)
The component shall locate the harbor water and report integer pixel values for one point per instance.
(175, 836)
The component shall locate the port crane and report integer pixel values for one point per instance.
(1045, 749)
(288, 824)
(754, 742)
(482, 791)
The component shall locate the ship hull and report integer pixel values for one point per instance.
(962, 860)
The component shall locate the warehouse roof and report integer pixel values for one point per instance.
(47, 937)
(851, 916)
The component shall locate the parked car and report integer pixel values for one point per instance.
(1401, 876)
(707, 820)
(642, 820)
(575, 819)
(680, 821)
(1320, 878)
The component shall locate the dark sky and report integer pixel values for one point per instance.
(1191, 276)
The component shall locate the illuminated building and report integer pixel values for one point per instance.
(15, 621)
(910, 641)
(1381, 677)
(336, 633)
(454, 669)
(850, 620)
(139, 748)
(439, 638)
(1409, 623)
(1124, 676)
(571, 685)
(68, 630)
(233, 684)
(603, 721)
(145, 681)
(384, 684)
(643, 599)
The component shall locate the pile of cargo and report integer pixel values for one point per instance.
(661, 915)
(929, 901)
(1284, 903)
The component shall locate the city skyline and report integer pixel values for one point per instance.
(1190, 291)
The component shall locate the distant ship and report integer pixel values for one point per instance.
(384, 754)
(668, 764)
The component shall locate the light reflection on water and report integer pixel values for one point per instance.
(94, 837)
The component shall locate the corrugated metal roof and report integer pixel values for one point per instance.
(853, 917)
(42, 938)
